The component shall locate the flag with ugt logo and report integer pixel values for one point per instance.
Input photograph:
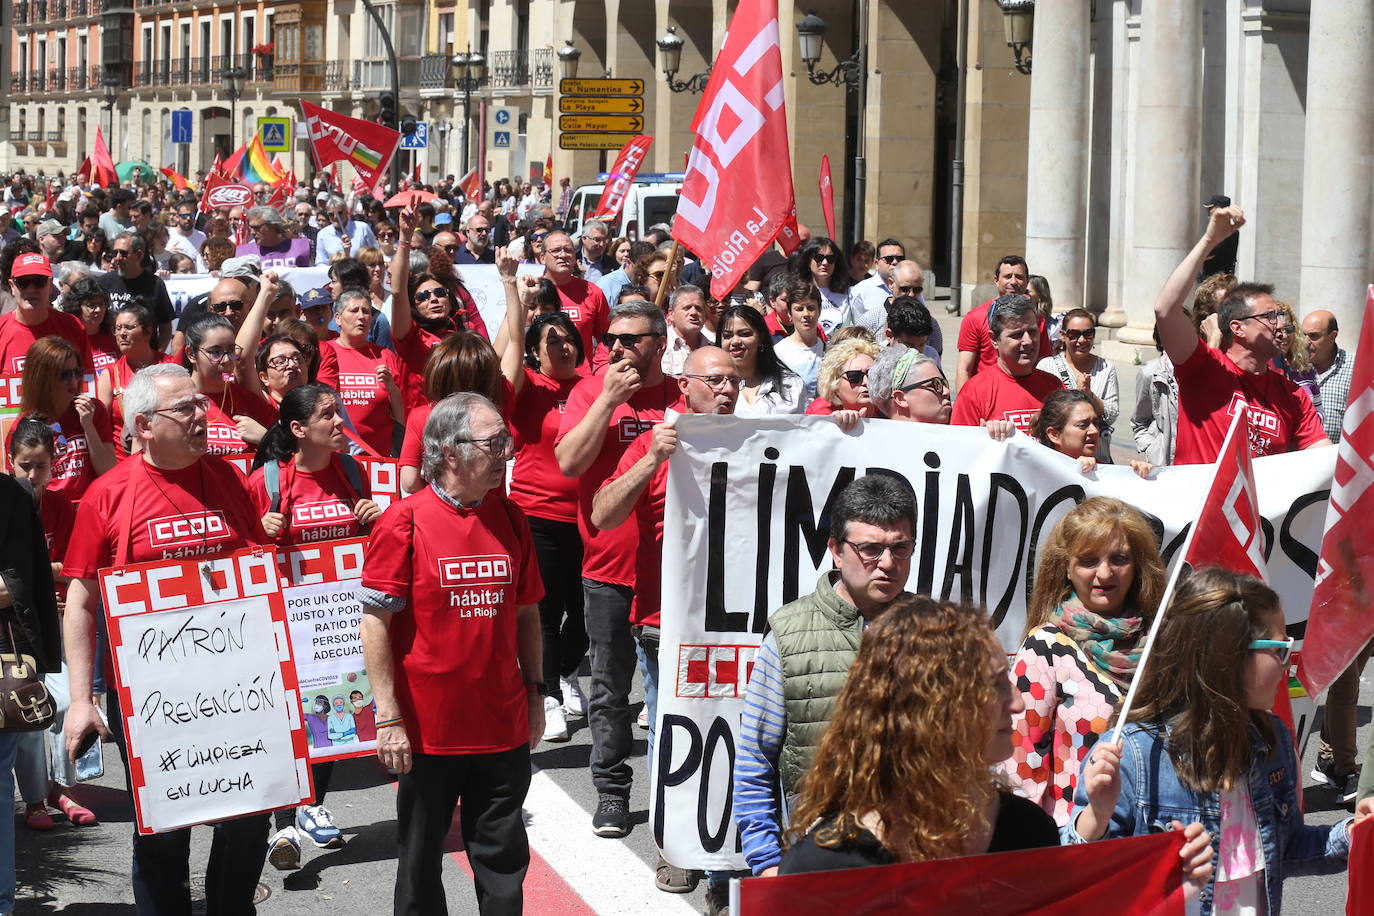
(737, 195)
(1341, 620)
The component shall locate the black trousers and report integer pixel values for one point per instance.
(491, 789)
(559, 549)
(322, 773)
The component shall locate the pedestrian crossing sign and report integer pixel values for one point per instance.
(276, 134)
(501, 139)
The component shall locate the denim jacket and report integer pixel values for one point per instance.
(1152, 796)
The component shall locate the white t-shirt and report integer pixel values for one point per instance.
(804, 361)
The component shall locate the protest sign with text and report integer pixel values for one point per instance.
(746, 529)
(207, 686)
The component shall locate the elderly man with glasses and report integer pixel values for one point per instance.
(275, 251)
(478, 248)
(129, 280)
(1211, 382)
(342, 234)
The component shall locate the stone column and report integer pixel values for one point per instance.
(1057, 141)
(1165, 208)
(1338, 167)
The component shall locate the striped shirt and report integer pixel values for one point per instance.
(758, 808)
(1335, 388)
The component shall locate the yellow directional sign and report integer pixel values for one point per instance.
(593, 141)
(601, 122)
(573, 104)
(600, 87)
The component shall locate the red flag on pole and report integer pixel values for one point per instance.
(471, 186)
(366, 145)
(1227, 533)
(222, 191)
(622, 177)
(1339, 623)
(827, 197)
(1054, 881)
(176, 178)
(548, 171)
(738, 194)
(102, 166)
(232, 168)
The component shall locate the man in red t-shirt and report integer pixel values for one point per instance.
(142, 510)
(977, 350)
(1212, 382)
(451, 639)
(31, 286)
(1013, 389)
(584, 302)
(604, 414)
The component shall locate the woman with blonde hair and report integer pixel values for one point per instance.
(1293, 360)
(1097, 587)
(842, 384)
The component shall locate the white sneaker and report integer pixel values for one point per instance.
(284, 850)
(643, 720)
(574, 700)
(555, 723)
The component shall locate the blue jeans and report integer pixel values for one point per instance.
(9, 743)
(646, 650)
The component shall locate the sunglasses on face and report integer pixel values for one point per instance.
(628, 341)
(1073, 334)
(438, 292)
(223, 308)
(911, 290)
(31, 282)
(936, 386)
(386, 236)
(825, 259)
(449, 248)
(855, 377)
(70, 375)
(890, 258)
(1283, 648)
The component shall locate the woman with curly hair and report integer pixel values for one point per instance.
(842, 384)
(1097, 588)
(1293, 360)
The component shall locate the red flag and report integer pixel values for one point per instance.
(827, 197)
(102, 166)
(334, 184)
(738, 191)
(232, 168)
(176, 178)
(1054, 881)
(366, 145)
(1227, 533)
(1339, 623)
(1359, 897)
(49, 198)
(548, 171)
(790, 236)
(622, 177)
(471, 186)
(222, 191)
(83, 171)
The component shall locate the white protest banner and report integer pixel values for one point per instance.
(483, 283)
(182, 288)
(208, 689)
(322, 615)
(746, 529)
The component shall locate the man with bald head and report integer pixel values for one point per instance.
(584, 302)
(1333, 367)
(478, 249)
(907, 279)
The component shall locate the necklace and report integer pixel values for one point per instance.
(204, 537)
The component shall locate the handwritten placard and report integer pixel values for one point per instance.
(208, 688)
(322, 614)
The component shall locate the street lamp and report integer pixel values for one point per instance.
(811, 32)
(111, 96)
(568, 56)
(670, 46)
(1018, 16)
(233, 78)
(469, 69)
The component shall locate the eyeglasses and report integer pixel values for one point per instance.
(825, 259)
(386, 236)
(118, 253)
(221, 354)
(285, 361)
(1074, 334)
(70, 375)
(1286, 329)
(479, 229)
(253, 228)
(936, 386)
(31, 282)
(187, 410)
(1283, 648)
(186, 216)
(1269, 317)
(437, 292)
(499, 444)
(449, 248)
(228, 305)
(891, 258)
(628, 341)
(855, 377)
(872, 553)
(537, 237)
(717, 381)
(911, 289)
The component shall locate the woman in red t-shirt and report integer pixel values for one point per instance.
(31, 452)
(237, 417)
(542, 374)
(367, 377)
(52, 387)
(134, 328)
(281, 366)
(87, 300)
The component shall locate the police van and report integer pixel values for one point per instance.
(651, 200)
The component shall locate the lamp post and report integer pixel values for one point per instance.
(568, 57)
(1018, 16)
(111, 96)
(233, 79)
(670, 47)
(469, 70)
(811, 33)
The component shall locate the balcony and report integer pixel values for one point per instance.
(34, 136)
(36, 82)
(375, 74)
(336, 77)
(19, 82)
(510, 69)
(21, 12)
(55, 136)
(143, 76)
(76, 79)
(38, 11)
(306, 76)
(57, 80)
(543, 68)
(434, 71)
(57, 9)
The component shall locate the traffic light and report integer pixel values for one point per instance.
(386, 110)
(407, 126)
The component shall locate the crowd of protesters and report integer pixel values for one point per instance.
(879, 726)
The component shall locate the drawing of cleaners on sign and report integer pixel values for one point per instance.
(316, 728)
(341, 727)
(364, 715)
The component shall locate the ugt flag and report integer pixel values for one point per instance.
(1341, 622)
(738, 194)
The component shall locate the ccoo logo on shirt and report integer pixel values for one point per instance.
(191, 528)
(481, 569)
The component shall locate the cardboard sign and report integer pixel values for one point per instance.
(208, 688)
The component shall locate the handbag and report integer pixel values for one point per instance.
(25, 704)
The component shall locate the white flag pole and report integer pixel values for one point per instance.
(1168, 595)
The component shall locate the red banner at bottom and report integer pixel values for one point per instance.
(1140, 876)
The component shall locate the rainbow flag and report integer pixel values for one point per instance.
(258, 166)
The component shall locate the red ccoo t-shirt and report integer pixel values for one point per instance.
(72, 471)
(221, 430)
(318, 505)
(353, 373)
(994, 395)
(537, 485)
(648, 522)
(454, 646)
(586, 305)
(16, 338)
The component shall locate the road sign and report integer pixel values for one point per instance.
(573, 104)
(276, 134)
(182, 120)
(600, 87)
(594, 141)
(417, 140)
(613, 123)
(501, 127)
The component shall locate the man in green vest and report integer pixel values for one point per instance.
(806, 654)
